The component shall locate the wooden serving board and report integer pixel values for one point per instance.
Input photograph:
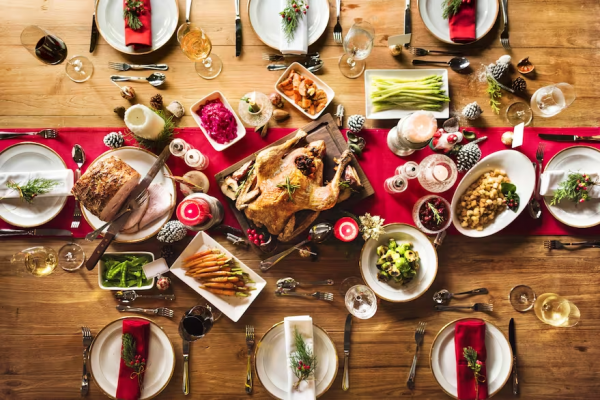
(324, 129)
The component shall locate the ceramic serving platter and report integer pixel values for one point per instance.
(29, 157)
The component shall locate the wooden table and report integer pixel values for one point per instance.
(41, 318)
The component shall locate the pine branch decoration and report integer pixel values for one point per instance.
(495, 93)
(302, 361)
(131, 359)
(291, 15)
(133, 9)
(450, 7)
(475, 365)
(575, 188)
(32, 188)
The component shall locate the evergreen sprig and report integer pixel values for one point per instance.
(133, 9)
(290, 16)
(131, 359)
(450, 7)
(302, 361)
(495, 92)
(470, 354)
(32, 188)
(289, 187)
(439, 218)
(575, 188)
(163, 138)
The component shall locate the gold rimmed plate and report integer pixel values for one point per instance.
(105, 358)
(442, 358)
(271, 362)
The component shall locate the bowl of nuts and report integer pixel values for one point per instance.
(482, 205)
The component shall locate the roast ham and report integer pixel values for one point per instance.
(134, 218)
(159, 204)
(105, 186)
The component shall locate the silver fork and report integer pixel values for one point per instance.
(337, 29)
(419, 334)
(87, 341)
(281, 57)
(127, 67)
(539, 156)
(160, 311)
(45, 133)
(141, 199)
(558, 245)
(477, 307)
(416, 51)
(250, 344)
(504, 34)
(316, 295)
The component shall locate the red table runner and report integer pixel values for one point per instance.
(377, 161)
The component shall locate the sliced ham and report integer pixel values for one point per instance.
(105, 186)
(159, 203)
(131, 225)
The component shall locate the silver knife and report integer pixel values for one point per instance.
(407, 23)
(568, 138)
(120, 222)
(238, 29)
(513, 345)
(347, 332)
(186, 359)
(35, 232)
(94, 38)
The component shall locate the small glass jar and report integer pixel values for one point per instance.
(179, 147)
(430, 201)
(438, 173)
(195, 159)
(395, 184)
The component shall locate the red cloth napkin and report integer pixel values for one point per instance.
(143, 36)
(470, 333)
(127, 388)
(462, 24)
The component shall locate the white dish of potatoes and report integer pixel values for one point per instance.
(518, 168)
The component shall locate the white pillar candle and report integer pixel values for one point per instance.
(419, 127)
(144, 122)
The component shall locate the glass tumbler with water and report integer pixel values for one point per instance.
(550, 100)
(361, 301)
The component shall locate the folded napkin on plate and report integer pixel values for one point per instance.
(128, 386)
(551, 180)
(299, 44)
(470, 333)
(143, 36)
(307, 389)
(462, 24)
(63, 176)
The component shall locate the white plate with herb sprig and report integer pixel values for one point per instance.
(582, 159)
(266, 21)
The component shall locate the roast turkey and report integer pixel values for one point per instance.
(105, 186)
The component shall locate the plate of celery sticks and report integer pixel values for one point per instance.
(396, 93)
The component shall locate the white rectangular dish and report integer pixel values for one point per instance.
(241, 130)
(301, 69)
(403, 74)
(101, 268)
(233, 307)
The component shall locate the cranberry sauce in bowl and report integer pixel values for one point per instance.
(432, 214)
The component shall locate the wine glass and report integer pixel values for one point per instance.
(361, 301)
(555, 310)
(79, 69)
(550, 100)
(71, 257)
(44, 45)
(38, 261)
(522, 298)
(196, 45)
(519, 112)
(358, 44)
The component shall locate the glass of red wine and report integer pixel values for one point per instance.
(197, 322)
(44, 45)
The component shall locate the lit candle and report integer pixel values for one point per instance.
(193, 212)
(419, 127)
(144, 122)
(440, 172)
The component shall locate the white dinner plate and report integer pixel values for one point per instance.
(272, 362)
(29, 157)
(431, 13)
(105, 356)
(141, 160)
(442, 358)
(576, 159)
(265, 20)
(521, 173)
(403, 74)
(392, 291)
(109, 18)
(233, 307)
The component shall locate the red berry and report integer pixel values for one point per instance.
(256, 242)
(294, 5)
(299, 368)
(307, 6)
(143, 360)
(300, 362)
(297, 10)
(248, 230)
(289, 18)
(304, 12)
(253, 230)
(261, 237)
(130, 362)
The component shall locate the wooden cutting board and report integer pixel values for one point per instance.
(324, 129)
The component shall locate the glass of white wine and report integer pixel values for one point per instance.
(38, 261)
(196, 45)
(555, 310)
(358, 44)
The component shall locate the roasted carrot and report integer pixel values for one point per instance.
(225, 292)
(218, 273)
(210, 257)
(211, 263)
(202, 254)
(222, 279)
(210, 269)
(220, 285)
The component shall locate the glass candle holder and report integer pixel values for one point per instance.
(179, 147)
(255, 109)
(412, 133)
(438, 173)
(195, 159)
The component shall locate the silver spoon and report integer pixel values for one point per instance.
(79, 157)
(444, 296)
(185, 27)
(457, 64)
(291, 283)
(155, 79)
(534, 207)
(128, 296)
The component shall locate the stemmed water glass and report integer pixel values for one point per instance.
(358, 44)
(196, 45)
(360, 300)
(550, 100)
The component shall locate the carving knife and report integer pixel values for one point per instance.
(186, 359)
(407, 23)
(568, 138)
(513, 345)
(118, 223)
(94, 38)
(238, 29)
(347, 333)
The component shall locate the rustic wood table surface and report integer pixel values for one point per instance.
(41, 318)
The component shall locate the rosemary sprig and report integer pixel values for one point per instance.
(346, 185)
(131, 359)
(450, 7)
(240, 187)
(163, 139)
(302, 361)
(495, 92)
(32, 188)
(133, 9)
(474, 364)
(289, 186)
(575, 188)
(439, 218)
(290, 16)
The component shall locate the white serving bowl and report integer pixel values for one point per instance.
(241, 130)
(101, 268)
(521, 173)
(392, 291)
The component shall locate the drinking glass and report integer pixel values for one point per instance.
(196, 45)
(71, 257)
(38, 261)
(361, 301)
(438, 173)
(522, 298)
(358, 44)
(550, 100)
(196, 323)
(519, 112)
(44, 45)
(555, 310)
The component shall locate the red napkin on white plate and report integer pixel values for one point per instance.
(128, 386)
(143, 36)
(462, 24)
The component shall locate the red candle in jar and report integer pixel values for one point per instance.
(193, 212)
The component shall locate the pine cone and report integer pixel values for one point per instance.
(156, 102)
(172, 231)
(498, 70)
(519, 85)
(356, 123)
(167, 252)
(472, 111)
(469, 155)
(114, 140)
(120, 111)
